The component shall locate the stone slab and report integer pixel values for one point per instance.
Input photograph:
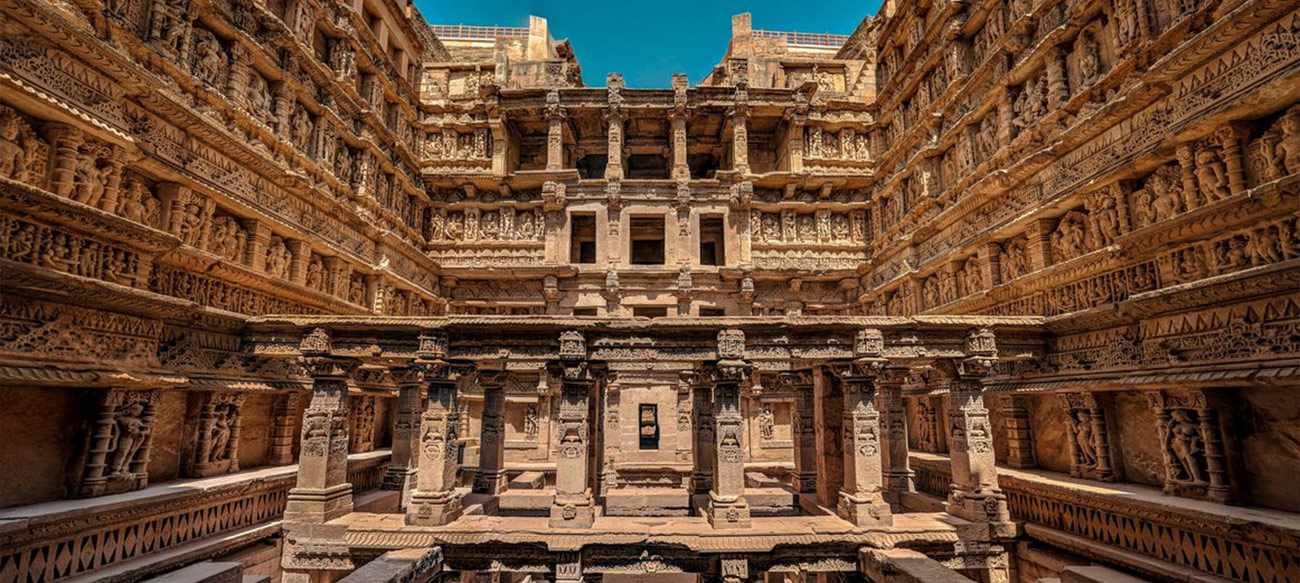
(1097, 574)
(205, 572)
(525, 502)
(648, 502)
(531, 480)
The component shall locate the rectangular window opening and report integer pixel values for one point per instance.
(648, 423)
(582, 247)
(647, 236)
(584, 311)
(650, 312)
(712, 312)
(713, 240)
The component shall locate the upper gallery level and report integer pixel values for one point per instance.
(251, 157)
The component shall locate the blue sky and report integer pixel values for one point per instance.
(649, 41)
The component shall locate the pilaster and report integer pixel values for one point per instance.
(727, 507)
(323, 492)
(574, 504)
(861, 499)
(435, 501)
(975, 494)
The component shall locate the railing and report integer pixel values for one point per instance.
(468, 32)
(1221, 544)
(75, 537)
(805, 39)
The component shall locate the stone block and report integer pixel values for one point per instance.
(648, 502)
(528, 481)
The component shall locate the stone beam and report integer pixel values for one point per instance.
(904, 566)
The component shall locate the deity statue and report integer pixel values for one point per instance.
(129, 435)
(1081, 432)
(1164, 202)
(208, 60)
(219, 441)
(277, 258)
(1185, 443)
(922, 423)
(531, 428)
(191, 223)
(259, 99)
(1211, 174)
(315, 273)
(301, 128)
(1286, 154)
(132, 204)
(1089, 60)
(89, 178)
(16, 151)
(766, 422)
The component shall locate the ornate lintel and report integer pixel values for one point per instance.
(325, 367)
(576, 371)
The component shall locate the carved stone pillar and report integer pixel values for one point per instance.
(975, 494)
(680, 169)
(727, 507)
(118, 459)
(284, 419)
(66, 140)
(614, 164)
(400, 475)
(113, 180)
(796, 121)
(237, 82)
(1015, 420)
(574, 506)
(898, 474)
(259, 238)
(861, 500)
(704, 437)
(215, 449)
(1039, 233)
(1006, 130)
(740, 139)
(300, 256)
(613, 396)
(323, 492)
(804, 479)
(555, 116)
(990, 265)
(284, 105)
(435, 501)
(1087, 437)
(1187, 175)
(491, 475)
(1231, 137)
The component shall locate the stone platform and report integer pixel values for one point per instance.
(383, 532)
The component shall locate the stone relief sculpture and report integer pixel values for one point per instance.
(277, 258)
(766, 422)
(17, 146)
(130, 430)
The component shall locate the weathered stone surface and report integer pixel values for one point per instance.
(1034, 260)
